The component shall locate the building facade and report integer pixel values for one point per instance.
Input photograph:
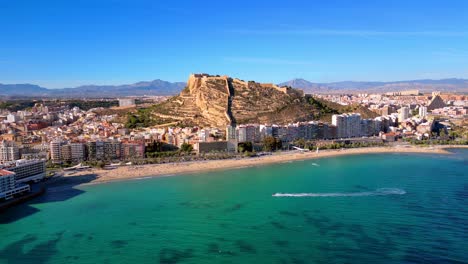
(28, 170)
(9, 151)
(404, 113)
(422, 111)
(347, 125)
(133, 151)
(8, 186)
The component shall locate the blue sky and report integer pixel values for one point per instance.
(69, 43)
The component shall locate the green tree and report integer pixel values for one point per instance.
(186, 147)
(269, 143)
(245, 147)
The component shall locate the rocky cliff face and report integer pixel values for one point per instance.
(220, 100)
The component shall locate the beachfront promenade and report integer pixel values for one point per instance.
(171, 169)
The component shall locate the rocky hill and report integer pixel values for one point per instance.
(220, 100)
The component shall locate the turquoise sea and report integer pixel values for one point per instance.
(385, 208)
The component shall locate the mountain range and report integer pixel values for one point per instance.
(425, 85)
(160, 87)
(156, 87)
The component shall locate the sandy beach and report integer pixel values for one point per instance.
(172, 169)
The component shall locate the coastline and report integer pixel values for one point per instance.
(193, 167)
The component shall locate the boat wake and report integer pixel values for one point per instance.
(378, 192)
(143, 178)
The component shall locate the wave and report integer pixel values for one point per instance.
(378, 192)
(315, 164)
(143, 178)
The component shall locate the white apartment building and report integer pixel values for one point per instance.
(56, 150)
(8, 151)
(27, 170)
(12, 118)
(8, 187)
(203, 135)
(404, 113)
(422, 111)
(347, 125)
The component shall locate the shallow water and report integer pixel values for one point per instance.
(395, 208)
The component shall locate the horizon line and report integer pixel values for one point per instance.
(281, 82)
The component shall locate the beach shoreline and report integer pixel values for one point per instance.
(195, 167)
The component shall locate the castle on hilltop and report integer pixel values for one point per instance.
(283, 89)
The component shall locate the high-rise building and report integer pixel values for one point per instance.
(115, 150)
(65, 152)
(97, 150)
(28, 170)
(331, 132)
(56, 151)
(404, 114)
(422, 111)
(77, 152)
(252, 135)
(100, 150)
(7, 182)
(248, 133)
(354, 125)
(8, 185)
(282, 133)
(266, 131)
(241, 133)
(370, 127)
(203, 135)
(322, 131)
(347, 125)
(293, 132)
(339, 122)
(133, 150)
(12, 118)
(91, 150)
(9, 151)
(108, 155)
(275, 131)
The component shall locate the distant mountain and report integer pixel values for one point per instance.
(13, 89)
(160, 87)
(156, 87)
(426, 85)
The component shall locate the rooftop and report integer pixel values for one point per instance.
(6, 173)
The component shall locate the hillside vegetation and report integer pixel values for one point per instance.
(217, 101)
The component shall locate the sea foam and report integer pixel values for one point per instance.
(378, 192)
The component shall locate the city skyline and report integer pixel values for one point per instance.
(233, 132)
(58, 45)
